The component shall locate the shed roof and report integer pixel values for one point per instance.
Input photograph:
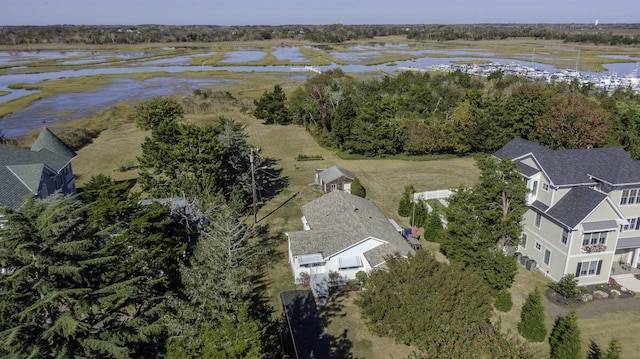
(333, 173)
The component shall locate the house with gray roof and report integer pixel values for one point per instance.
(39, 171)
(343, 233)
(334, 178)
(583, 212)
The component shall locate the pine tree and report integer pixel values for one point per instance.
(614, 350)
(271, 107)
(531, 325)
(594, 351)
(218, 283)
(565, 339)
(405, 207)
(57, 300)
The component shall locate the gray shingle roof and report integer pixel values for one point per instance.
(339, 220)
(334, 172)
(21, 169)
(574, 207)
(571, 167)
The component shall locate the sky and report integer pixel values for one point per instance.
(307, 12)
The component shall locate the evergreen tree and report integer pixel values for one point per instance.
(614, 350)
(406, 205)
(565, 339)
(433, 229)
(271, 107)
(531, 325)
(57, 298)
(594, 351)
(219, 310)
(503, 301)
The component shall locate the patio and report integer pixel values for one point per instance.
(626, 277)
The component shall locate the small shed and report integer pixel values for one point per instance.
(334, 178)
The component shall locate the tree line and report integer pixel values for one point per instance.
(611, 34)
(453, 113)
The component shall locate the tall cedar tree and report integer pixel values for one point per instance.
(440, 308)
(406, 205)
(531, 325)
(186, 160)
(485, 218)
(220, 301)
(147, 238)
(58, 296)
(272, 108)
(565, 339)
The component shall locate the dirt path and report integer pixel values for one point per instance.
(593, 308)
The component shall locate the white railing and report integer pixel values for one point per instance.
(438, 194)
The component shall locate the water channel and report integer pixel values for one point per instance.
(72, 106)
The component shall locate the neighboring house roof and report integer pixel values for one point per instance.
(339, 220)
(572, 167)
(333, 173)
(21, 170)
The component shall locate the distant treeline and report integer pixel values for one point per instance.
(611, 34)
(455, 113)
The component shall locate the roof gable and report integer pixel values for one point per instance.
(334, 172)
(576, 205)
(29, 175)
(47, 140)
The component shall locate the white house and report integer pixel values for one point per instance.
(342, 233)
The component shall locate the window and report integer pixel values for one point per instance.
(634, 224)
(589, 268)
(334, 186)
(547, 256)
(630, 196)
(538, 219)
(534, 188)
(524, 241)
(545, 186)
(538, 246)
(565, 236)
(594, 238)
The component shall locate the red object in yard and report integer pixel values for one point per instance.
(414, 231)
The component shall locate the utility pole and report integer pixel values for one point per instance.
(253, 187)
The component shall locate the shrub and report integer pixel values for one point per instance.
(357, 189)
(566, 287)
(361, 276)
(503, 301)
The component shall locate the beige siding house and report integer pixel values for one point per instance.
(345, 234)
(583, 210)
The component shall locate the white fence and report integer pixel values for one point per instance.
(438, 194)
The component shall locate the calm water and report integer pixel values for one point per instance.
(78, 105)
